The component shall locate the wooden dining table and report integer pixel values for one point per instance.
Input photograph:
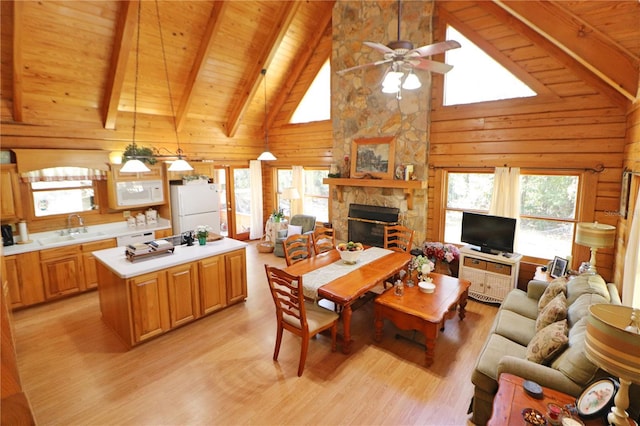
(347, 289)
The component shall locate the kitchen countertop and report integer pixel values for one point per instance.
(116, 260)
(107, 230)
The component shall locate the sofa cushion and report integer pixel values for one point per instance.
(591, 284)
(573, 362)
(519, 302)
(555, 287)
(293, 230)
(580, 308)
(555, 310)
(514, 326)
(484, 376)
(547, 342)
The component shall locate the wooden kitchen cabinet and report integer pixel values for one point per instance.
(10, 200)
(24, 279)
(213, 290)
(236, 276)
(199, 168)
(89, 261)
(182, 284)
(62, 271)
(155, 173)
(149, 305)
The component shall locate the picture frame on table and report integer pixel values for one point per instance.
(558, 267)
(373, 157)
(597, 398)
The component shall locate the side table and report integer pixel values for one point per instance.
(511, 399)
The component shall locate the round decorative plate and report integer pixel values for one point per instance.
(597, 398)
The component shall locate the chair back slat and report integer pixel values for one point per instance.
(296, 248)
(323, 239)
(398, 238)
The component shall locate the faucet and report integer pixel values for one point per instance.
(80, 224)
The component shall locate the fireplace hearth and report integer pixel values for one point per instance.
(366, 223)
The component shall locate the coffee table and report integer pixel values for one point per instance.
(425, 312)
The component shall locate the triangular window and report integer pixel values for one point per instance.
(476, 77)
(316, 103)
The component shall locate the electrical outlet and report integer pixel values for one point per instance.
(126, 214)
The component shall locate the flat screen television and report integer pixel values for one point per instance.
(491, 234)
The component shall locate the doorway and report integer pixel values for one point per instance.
(235, 201)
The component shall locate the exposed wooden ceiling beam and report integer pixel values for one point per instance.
(288, 11)
(214, 22)
(294, 74)
(581, 42)
(18, 9)
(577, 67)
(122, 46)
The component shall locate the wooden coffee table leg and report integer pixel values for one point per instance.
(346, 324)
(463, 304)
(430, 335)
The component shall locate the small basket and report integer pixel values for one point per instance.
(265, 246)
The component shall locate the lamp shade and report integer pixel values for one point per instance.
(609, 345)
(412, 82)
(134, 166)
(267, 156)
(595, 235)
(290, 193)
(180, 165)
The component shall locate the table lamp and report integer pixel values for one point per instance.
(612, 343)
(290, 194)
(595, 235)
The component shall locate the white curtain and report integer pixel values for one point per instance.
(506, 192)
(298, 183)
(631, 279)
(255, 177)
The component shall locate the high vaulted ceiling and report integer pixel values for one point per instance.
(73, 63)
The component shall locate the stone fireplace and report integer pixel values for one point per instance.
(366, 223)
(361, 110)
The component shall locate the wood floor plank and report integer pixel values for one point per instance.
(219, 370)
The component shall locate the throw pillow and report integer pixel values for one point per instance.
(294, 230)
(547, 342)
(555, 287)
(555, 310)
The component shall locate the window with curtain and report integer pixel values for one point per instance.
(548, 208)
(315, 196)
(63, 197)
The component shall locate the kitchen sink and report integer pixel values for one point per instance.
(74, 237)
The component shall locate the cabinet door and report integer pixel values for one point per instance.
(10, 205)
(497, 286)
(62, 271)
(213, 292)
(236, 276)
(182, 284)
(476, 276)
(149, 305)
(25, 280)
(89, 261)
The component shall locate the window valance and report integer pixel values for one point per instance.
(29, 160)
(63, 173)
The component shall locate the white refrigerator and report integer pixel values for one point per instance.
(193, 205)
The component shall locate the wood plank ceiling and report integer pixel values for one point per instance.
(73, 63)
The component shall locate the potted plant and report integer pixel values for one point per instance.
(141, 153)
(202, 232)
(277, 215)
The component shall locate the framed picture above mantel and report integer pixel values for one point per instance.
(373, 157)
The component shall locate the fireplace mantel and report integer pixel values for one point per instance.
(408, 186)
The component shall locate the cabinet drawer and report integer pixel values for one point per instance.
(499, 268)
(98, 245)
(56, 253)
(475, 263)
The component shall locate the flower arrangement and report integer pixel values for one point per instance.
(202, 231)
(423, 265)
(439, 251)
(277, 215)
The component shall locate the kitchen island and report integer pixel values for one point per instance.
(146, 298)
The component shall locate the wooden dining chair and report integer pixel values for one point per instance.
(398, 238)
(296, 248)
(299, 316)
(324, 239)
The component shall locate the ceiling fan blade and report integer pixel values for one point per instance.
(379, 47)
(439, 67)
(370, 64)
(433, 49)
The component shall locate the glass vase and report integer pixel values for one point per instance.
(202, 240)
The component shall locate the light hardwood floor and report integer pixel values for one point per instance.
(219, 370)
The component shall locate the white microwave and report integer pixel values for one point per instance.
(139, 192)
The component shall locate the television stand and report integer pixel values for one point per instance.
(492, 276)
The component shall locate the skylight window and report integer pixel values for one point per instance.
(476, 77)
(316, 103)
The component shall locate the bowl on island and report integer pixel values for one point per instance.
(350, 252)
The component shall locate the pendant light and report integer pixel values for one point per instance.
(266, 155)
(178, 165)
(134, 165)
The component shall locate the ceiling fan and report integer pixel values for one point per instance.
(403, 57)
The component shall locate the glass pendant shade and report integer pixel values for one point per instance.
(134, 166)
(411, 82)
(180, 165)
(267, 156)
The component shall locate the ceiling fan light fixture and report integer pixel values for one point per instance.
(412, 82)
